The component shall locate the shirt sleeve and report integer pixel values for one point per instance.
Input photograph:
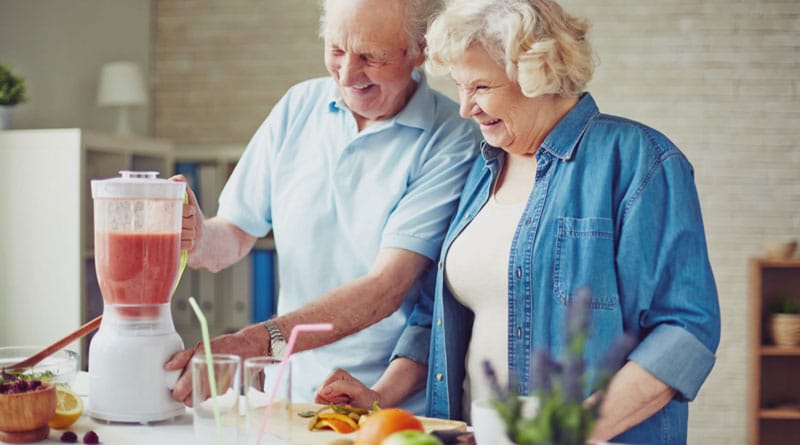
(667, 286)
(419, 221)
(245, 198)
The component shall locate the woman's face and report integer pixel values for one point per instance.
(506, 116)
(367, 55)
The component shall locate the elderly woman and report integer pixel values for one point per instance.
(562, 197)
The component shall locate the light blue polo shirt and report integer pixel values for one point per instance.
(334, 197)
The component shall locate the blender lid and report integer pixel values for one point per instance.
(138, 185)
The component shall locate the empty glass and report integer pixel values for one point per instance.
(261, 377)
(227, 372)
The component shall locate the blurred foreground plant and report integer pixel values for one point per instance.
(562, 417)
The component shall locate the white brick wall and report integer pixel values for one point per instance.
(719, 77)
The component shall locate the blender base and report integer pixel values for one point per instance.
(127, 382)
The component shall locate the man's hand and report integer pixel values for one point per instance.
(249, 342)
(192, 221)
(341, 388)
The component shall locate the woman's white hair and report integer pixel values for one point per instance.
(542, 47)
(418, 15)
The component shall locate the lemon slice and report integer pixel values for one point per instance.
(69, 408)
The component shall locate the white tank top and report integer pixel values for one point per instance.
(476, 272)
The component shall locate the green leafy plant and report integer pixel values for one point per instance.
(785, 304)
(563, 417)
(12, 88)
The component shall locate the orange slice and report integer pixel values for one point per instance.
(337, 422)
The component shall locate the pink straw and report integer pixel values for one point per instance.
(316, 327)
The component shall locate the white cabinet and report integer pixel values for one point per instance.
(47, 287)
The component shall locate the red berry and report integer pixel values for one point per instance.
(91, 437)
(69, 437)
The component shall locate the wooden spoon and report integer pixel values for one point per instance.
(44, 353)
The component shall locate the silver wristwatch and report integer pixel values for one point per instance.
(277, 342)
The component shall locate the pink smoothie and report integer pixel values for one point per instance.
(137, 268)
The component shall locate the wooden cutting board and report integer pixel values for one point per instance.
(294, 428)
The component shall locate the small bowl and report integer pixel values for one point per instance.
(780, 250)
(60, 367)
(24, 416)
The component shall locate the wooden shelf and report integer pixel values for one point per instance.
(778, 263)
(773, 369)
(780, 351)
(780, 414)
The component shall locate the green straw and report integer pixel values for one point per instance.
(212, 381)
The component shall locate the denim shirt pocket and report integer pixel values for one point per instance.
(584, 256)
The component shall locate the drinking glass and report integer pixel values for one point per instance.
(261, 378)
(227, 373)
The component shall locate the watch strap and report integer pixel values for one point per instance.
(277, 341)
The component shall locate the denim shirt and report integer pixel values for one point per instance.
(614, 207)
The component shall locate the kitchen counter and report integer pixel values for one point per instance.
(179, 431)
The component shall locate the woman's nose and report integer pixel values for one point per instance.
(467, 106)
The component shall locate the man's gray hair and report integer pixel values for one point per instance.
(418, 15)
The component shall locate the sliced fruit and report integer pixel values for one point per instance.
(340, 417)
(69, 408)
(335, 424)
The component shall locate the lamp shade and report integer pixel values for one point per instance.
(121, 83)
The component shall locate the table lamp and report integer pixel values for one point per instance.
(121, 86)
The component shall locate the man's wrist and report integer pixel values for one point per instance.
(277, 342)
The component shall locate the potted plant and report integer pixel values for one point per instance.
(562, 417)
(12, 93)
(784, 321)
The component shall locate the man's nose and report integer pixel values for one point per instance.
(350, 69)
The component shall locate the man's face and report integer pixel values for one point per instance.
(366, 52)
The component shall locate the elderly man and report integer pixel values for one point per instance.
(357, 175)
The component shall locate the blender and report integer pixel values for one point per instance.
(137, 231)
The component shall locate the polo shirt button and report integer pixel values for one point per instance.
(519, 272)
(439, 321)
(519, 332)
(439, 377)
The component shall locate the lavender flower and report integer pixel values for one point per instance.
(577, 320)
(542, 367)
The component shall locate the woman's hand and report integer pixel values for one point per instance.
(341, 388)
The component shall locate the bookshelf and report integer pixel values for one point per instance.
(774, 399)
(238, 295)
(47, 282)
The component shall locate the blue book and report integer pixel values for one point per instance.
(189, 171)
(263, 304)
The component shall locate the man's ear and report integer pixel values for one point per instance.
(420, 59)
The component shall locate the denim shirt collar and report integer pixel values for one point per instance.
(563, 139)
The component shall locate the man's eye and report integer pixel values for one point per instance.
(336, 52)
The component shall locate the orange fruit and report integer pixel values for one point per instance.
(69, 408)
(383, 423)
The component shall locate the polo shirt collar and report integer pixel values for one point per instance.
(418, 112)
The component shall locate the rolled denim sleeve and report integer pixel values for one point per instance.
(676, 357)
(666, 284)
(414, 343)
(415, 340)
